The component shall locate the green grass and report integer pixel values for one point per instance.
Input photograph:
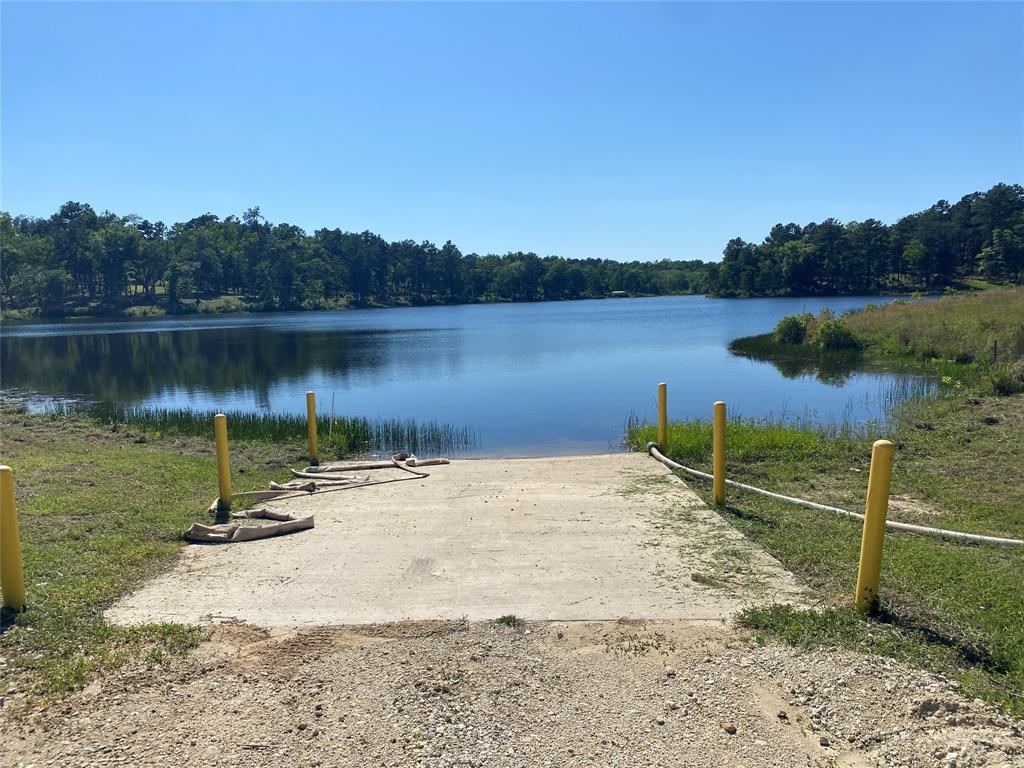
(955, 608)
(973, 339)
(750, 440)
(100, 512)
(970, 331)
(978, 284)
(509, 620)
(346, 436)
(968, 328)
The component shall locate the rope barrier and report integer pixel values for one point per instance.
(652, 449)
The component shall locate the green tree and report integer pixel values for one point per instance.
(919, 260)
(1004, 258)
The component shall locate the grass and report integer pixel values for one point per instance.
(509, 620)
(99, 512)
(723, 565)
(956, 335)
(750, 440)
(346, 436)
(969, 328)
(954, 608)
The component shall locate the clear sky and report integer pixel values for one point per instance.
(607, 130)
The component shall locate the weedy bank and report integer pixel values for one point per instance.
(338, 436)
(955, 608)
(972, 338)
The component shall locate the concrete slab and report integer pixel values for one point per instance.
(569, 538)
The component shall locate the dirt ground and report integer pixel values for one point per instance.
(567, 538)
(540, 694)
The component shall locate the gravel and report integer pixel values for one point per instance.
(481, 694)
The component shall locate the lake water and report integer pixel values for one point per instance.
(531, 379)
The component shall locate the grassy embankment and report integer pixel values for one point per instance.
(955, 608)
(103, 496)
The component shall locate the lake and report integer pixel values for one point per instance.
(531, 379)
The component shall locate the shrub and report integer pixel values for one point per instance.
(1007, 378)
(833, 334)
(792, 329)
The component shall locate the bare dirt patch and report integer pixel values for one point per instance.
(907, 508)
(483, 694)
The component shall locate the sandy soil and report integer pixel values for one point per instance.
(542, 694)
(585, 537)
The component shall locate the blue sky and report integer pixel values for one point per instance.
(607, 130)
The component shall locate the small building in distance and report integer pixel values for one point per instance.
(620, 294)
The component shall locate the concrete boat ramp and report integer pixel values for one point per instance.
(569, 538)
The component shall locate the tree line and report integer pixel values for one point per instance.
(79, 260)
(78, 257)
(981, 235)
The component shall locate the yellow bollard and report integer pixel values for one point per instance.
(718, 454)
(875, 510)
(663, 416)
(220, 436)
(12, 577)
(314, 453)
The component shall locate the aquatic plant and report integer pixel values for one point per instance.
(341, 436)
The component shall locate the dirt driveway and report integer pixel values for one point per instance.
(462, 694)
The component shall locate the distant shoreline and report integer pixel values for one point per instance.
(231, 305)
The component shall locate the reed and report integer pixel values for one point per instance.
(346, 436)
(749, 440)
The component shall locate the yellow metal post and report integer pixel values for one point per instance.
(12, 577)
(220, 435)
(875, 510)
(314, 453)
(718, 454)
(662, 416)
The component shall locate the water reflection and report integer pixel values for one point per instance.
(133, 367)
(532, 378)
(837, 368)
(834, 370)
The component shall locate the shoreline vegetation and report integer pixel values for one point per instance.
(978, 338)
(80, 263)
(953, 608)
(339, 437)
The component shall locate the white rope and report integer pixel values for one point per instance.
(652, 448)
